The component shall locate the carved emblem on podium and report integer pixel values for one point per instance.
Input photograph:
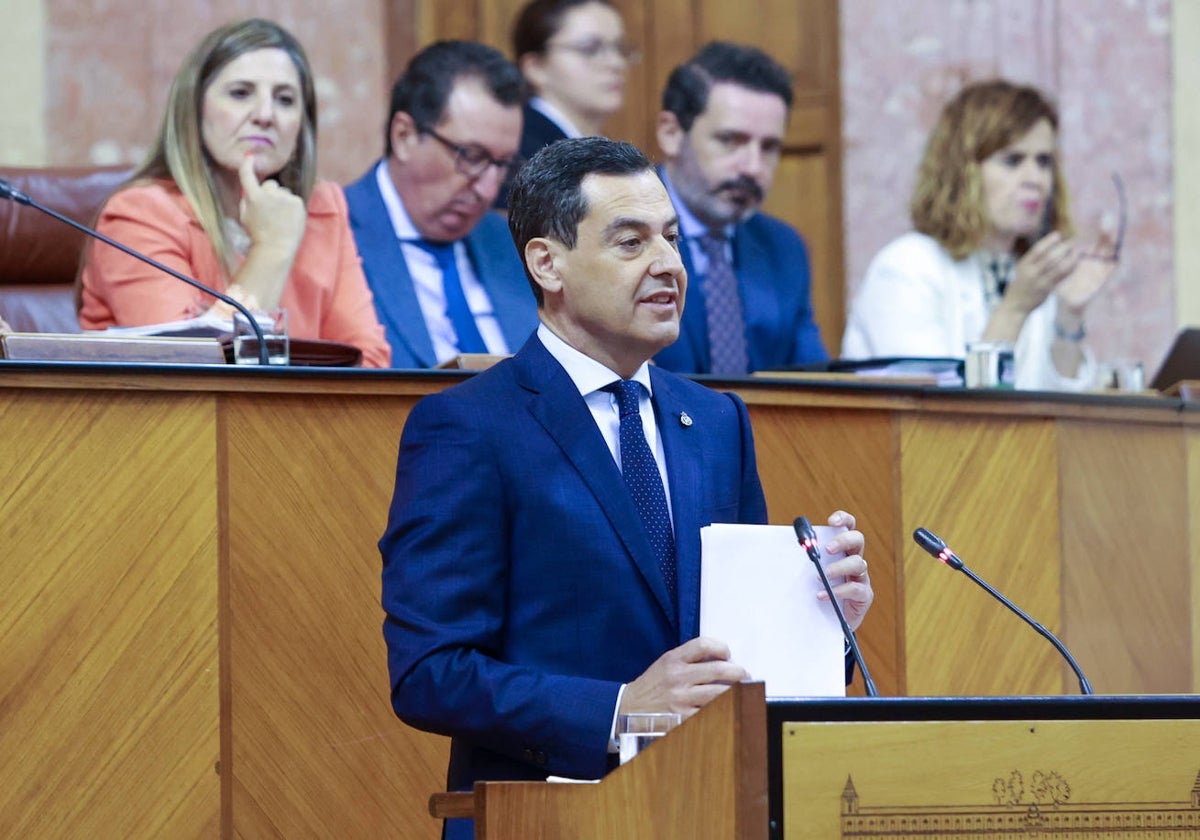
(1038, 805)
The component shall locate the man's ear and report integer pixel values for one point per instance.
(670, 134)
(541, 258)
(403, 132)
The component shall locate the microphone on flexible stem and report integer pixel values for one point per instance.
(11, 193)
(934, 544)
(808, 540)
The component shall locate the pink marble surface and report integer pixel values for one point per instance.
(110, 63)
(1106, 63)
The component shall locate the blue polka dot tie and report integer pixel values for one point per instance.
(643, 479)
(723, 311)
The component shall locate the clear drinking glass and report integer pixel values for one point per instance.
(274, 324)
(638, 730)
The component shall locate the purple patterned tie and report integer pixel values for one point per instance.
(642, 478)
(723, 309)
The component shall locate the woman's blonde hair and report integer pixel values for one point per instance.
(948, 201)
(178, 152)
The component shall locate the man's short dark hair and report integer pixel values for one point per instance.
(688, 86)
(426, 83)
(546, 198)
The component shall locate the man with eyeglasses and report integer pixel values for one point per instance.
(442, 267)
(721, 131)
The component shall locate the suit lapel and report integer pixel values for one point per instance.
(384, 263)
(560, 410)
(686, 476)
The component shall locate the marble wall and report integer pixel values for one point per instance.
(1107, 63)
(107, 84)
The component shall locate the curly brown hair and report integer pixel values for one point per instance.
(948, 202)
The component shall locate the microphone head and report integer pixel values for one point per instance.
(936, 546)
(10, 192)
(807, 537)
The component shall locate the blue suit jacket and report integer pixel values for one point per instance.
(497, 266)
(519, 585)
(771, 263)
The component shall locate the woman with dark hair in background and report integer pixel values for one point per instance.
(228, 195)
(575, 59)
(992, 256)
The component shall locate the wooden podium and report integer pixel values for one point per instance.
(884, 767)
(704, 780)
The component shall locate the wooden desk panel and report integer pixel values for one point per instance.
(1126, 570)
(108, 630)
(316, 748)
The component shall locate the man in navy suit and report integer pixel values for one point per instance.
(441, 266)
(527, 594)
(721, 132)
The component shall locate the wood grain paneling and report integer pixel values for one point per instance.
(317, 750)
(989, 487)
(108, 677)
(1130, 478)
(815, 462)
(1192, 441)
(142, 514)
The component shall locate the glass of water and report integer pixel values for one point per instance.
(638, 730)
(274, 324)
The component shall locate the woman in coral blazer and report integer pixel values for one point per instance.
(228, 196)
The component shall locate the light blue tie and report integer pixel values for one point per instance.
(457, 308)
(643, 480)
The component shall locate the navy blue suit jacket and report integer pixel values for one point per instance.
(771, 264)
(537, 132)
(519, 585)
(497, 266)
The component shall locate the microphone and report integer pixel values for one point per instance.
(808, 540)
(8, 191)
(934, 544)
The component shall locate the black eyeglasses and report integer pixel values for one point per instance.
(595, 48)
(472, 160)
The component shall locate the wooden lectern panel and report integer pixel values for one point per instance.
(1049, 778)
(705, 780)
(109, 571)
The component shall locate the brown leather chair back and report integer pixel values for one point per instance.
(39, 255)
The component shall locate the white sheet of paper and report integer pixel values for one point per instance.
(758, 594)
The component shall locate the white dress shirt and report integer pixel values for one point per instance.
(427, 280)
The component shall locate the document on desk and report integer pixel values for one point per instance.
(758, 594)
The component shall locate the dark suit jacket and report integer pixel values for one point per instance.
(537, 132)
(518, 581)
(493, 256)
(771, 263)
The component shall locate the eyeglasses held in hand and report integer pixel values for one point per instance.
(1122, 212)
(596, 47)
(1119, 238)
(472, 160)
